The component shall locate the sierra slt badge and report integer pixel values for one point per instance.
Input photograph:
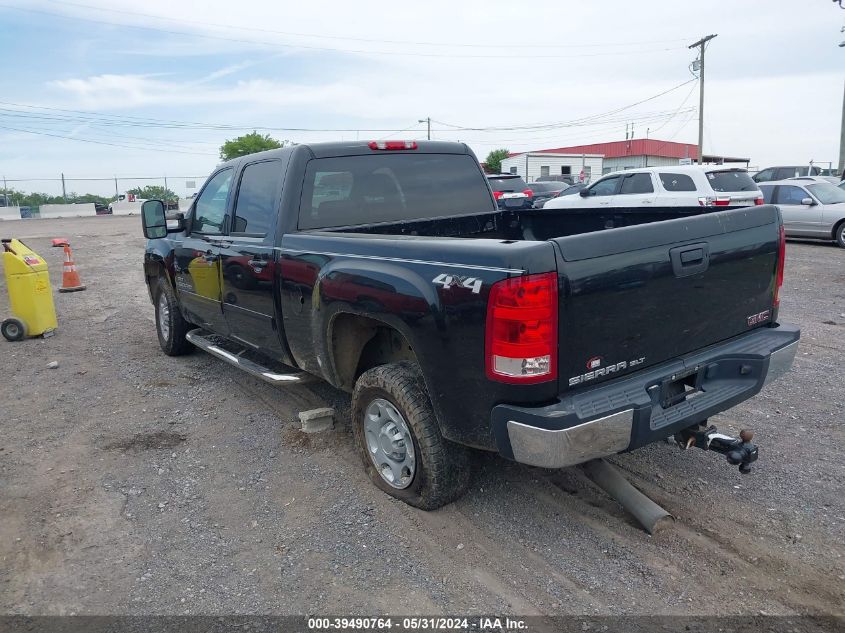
(760, 317)
(597, 371)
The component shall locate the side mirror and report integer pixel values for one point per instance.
(153, 219)
(808, 202)
(584, 193)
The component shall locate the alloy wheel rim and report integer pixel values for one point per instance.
(389, 443)
(164, 317)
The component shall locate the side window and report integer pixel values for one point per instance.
(605, 187)
(255, 207)
(765, 175)
(787, 172)
(210, 208)
(768, 193)
(637, 183)
(788, 194)
(677, 182)
(544, 170)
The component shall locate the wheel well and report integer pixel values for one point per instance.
(360, 343)
(154, 272)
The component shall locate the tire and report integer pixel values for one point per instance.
(839, 235)
(171, 327)
(13, 329)
(441, 469)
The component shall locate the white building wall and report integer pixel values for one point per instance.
(530, 166)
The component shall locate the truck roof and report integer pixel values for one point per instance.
(355, 148)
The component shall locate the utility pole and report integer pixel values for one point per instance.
(5, 192)
(427, 121)
(64, 193)
(842, 139)
(701, 45)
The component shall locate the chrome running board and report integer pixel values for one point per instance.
(214, 345)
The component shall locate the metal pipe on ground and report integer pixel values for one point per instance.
(649, 515)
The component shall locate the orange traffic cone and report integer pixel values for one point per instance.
(70, 276)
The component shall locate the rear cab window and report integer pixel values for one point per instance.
(731, 180)
(387, 187)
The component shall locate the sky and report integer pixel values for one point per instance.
(96, 89)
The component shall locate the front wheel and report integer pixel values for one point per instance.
(839, 235)
(396, 431)
(170, 325)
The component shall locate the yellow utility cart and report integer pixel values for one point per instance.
(30, 295)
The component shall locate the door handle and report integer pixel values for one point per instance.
(690, 260)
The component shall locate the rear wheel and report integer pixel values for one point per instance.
(13, 329)
(400, 442)
(170, 325)
(839, 234)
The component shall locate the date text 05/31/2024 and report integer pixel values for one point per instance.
(375, 624)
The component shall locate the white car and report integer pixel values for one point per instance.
(675, 186)
(809, 208)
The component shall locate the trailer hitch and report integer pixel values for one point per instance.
(739, 451)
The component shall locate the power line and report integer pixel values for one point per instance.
(330, 49)
(565, 123)
(84, 140)
(361, 39)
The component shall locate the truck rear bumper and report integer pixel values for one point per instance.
(629, 412)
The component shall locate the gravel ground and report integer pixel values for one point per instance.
(134, 483)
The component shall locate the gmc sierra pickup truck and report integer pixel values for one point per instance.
(552, 337)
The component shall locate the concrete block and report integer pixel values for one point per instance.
(67, 210)
(10, 213)
(124, 207)
(317, 420)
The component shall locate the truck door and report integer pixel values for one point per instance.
(197, 258)
(249, 262)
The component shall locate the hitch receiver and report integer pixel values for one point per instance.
(739, 451)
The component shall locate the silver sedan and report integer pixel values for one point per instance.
(809, 208)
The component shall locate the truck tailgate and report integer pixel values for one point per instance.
(640, 295)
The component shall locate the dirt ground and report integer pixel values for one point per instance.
(134, 483)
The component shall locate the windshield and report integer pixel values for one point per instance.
(734, 180)
(827, 193)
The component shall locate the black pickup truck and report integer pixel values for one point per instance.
(553, 337)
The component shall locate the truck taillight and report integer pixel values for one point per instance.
(521, 329)
(781, 262)
(391, 145)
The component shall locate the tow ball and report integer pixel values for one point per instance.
(739, 451)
